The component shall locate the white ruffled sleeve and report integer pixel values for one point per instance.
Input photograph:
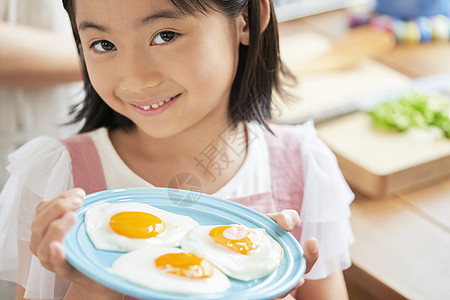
(41, 169)
(326, 205)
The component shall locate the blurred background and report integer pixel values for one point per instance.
(375, 78)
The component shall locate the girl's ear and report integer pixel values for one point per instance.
(264, 7)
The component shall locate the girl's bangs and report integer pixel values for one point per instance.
(230, 8)
(192, 7)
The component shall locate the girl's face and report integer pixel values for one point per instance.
(165, 71)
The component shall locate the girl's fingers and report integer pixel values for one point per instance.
(64, 269)
(59, 263)
(311, 252)
(48, 211)
(56, 232)
(41, 205)
(55, 208)
(288, 219)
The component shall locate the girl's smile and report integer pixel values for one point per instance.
(154, 107)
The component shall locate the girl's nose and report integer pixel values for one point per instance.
(139, 75)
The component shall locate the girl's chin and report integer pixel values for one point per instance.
(162, 132)
(192, 124)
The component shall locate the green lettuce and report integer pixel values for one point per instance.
(413, 110)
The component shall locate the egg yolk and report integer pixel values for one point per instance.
(136, 224)
(239, 239)
(185, 265)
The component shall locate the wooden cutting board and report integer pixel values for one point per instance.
(379, 162)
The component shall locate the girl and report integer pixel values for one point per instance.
(175, 90)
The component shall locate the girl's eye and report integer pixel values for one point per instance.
(164, 37)
(103, 46)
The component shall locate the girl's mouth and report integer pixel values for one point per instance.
(155, 108)
(156, 105)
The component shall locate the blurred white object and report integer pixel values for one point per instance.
(292, 9)
(27, 113)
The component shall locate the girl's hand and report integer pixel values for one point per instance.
(289, 219)
(52, 222)
(311, 253)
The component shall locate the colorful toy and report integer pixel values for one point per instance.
(411, 21)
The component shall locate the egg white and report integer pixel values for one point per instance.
(104, 238)
(256, 264)
(138, 266)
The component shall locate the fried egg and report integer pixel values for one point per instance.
(238, 251)
(127, 226)
(170, 269)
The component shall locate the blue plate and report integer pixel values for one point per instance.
(206, 210)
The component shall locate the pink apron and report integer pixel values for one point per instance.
(285, 168)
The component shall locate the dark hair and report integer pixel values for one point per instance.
(259, 73)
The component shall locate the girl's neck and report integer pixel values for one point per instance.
(213, 154)
(184, 144)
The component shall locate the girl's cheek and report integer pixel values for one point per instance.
(100, 74)
(102, 83)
